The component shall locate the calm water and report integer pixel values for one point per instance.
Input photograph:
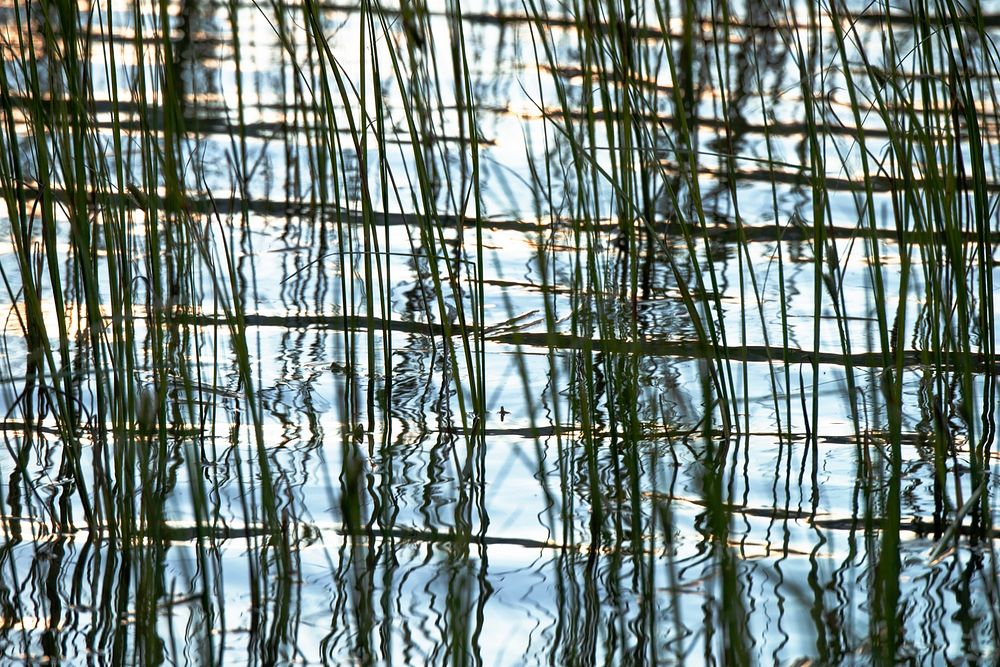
(478, 540)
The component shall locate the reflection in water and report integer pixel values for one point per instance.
(494, 334)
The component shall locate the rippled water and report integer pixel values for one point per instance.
(629, 494)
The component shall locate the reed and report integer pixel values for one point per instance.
(272, 270)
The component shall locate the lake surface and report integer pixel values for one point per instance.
(498, 334)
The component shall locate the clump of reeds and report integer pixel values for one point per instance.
(128, 278)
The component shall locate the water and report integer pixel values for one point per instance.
(339, 500)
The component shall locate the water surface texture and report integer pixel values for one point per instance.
(498, 332)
